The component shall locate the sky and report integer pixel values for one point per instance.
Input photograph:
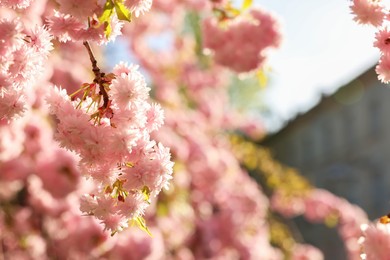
(322, 49)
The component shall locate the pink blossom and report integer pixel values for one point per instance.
(40, 40)
(42, 200)
(368, 12)
(114, 222)
(74, 236)
(139, 6)
(306, 252)
(68, 28)
(129, 89)
(38, 135)
(25, 63)
(105, 207)
(155, 117)
(10, 34)
(376, 241)
(319, 205)
(133, 206)
(260, 31)
(135, 116)
(287, 206)
(21, 61)
(59, 168)
(16, 4)
(138, 245)
(17, 169)
(58, 99)
(101, 174)
(124, 68)
(88, 203)
(383, 68)
(153, 171)
(12, 104)
(64, 26)
(79, 9)
(71, 131)
(383, 41)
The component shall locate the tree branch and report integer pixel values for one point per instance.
(98, 75)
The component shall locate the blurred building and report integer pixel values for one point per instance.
(343, 145)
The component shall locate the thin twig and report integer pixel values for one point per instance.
(98, 75)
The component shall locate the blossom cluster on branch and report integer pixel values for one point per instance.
(375, 13)
(223, 37)
(113, 141)
(106, 124)
(23, 53)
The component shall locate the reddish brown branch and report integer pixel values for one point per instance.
(98, 75)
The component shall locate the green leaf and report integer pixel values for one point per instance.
(331, 220)
(246, 4)
(262, 78)
(233, 11)
(122, 12)
(108, 10)
(141, 223)
(104, 19)
(107, 29)
(146, 193)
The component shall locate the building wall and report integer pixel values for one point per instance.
(343, 145)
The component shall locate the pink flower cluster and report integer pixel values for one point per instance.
(368, 12)
(227, 208)
(39, 183)
(22, 55)
(306, 252)
(79, 20)
(376, 14)
(240, 43)
(125, 165)
(26, 147)
(216, 209)
(139, 6)
(375, 241)
(69, 28)
(107, 135)
(321, 205)
(40, 187)
(15, 4)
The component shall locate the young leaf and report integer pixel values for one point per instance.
(107, 29)
(146, 193)
(104, 19)
(246, 4)
(122, 12)
(108, 10)
(140, 221)
(262, 78)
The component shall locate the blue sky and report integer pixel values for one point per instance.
(322, 50)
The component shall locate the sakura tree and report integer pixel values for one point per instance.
(90, 149)
(83, 148)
